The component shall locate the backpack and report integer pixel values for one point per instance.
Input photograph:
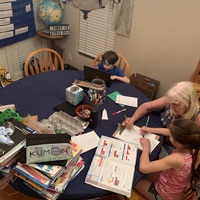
(32, 63)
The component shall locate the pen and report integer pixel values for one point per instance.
(115, 113)
(132, 125)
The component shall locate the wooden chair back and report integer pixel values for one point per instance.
(42, 60)
(196, 79)
(196, 75)
(122, 63)
(190, 193)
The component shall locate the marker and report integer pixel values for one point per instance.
(115, 113)
(132, 125)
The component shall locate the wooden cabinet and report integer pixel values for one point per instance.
(146, 85)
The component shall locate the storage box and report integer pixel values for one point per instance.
(146, 85)
(74, 94)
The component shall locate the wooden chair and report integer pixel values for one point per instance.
(42, 60)
(196, 75)
(196, 79)
(122, 63)
(189, 193)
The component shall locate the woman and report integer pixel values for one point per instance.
(180, 101)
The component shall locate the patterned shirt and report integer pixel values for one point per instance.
(167, 118)
(172, 183)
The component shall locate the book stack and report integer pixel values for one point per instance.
(52, 162)
(12, 141)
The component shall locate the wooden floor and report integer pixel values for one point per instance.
(10, 193)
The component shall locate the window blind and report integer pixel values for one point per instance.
(13, 56)
(96, 34)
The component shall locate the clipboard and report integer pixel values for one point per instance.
(133, 136)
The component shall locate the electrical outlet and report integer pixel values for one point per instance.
(69, 56)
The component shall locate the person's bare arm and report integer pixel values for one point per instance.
(175, 160)
(161, 131)
(124, 79)
(145, 108)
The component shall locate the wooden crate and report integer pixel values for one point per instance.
(146, 85)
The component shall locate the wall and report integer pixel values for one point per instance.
(164, 42)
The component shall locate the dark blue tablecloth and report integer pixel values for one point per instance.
(38, 94)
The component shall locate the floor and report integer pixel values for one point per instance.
(11, 194)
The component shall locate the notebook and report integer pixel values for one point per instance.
(91, 73)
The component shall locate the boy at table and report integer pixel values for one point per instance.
(109, 60)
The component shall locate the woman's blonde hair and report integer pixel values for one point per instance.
(184, 92)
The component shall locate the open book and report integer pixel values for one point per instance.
(113, 166)
(133, 135)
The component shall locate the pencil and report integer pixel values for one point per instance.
(147, 122)
(132, 125)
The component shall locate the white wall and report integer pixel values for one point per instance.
(164, 42)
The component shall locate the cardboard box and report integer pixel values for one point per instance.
(74, 94)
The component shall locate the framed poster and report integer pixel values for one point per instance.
(16, 21)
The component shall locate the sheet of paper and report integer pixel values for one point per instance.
(126, 100)
(113, 96)
(134, 135)
(87, 141)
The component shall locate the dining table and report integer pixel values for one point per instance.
(39, 94)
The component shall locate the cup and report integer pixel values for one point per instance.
(93, 119)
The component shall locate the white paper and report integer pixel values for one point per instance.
(87, 141)
(134, 135)
(126, 100)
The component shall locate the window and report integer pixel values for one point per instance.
(13, 56)
(96, 34)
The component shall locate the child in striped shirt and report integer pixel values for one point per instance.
(168, 177)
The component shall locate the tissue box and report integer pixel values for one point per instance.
(74, 95)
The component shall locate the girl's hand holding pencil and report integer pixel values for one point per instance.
(144, 129)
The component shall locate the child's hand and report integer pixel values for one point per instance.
(145, 142)
(144, 130)
(113, 77)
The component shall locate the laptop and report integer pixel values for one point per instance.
(91, 73)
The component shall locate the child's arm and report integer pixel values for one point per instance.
(161, 131)
(123, 79)
(174, 161)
